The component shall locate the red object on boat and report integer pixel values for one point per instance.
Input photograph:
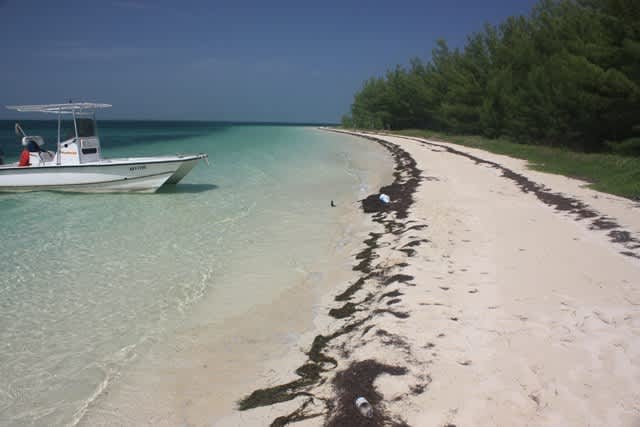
(24, 158)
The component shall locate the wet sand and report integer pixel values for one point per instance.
(488, 294)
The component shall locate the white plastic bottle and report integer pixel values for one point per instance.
(364, 407)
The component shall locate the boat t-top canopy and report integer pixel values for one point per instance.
(84, 128)
(68, 108)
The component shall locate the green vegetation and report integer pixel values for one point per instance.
(568, 76)
(611, 173)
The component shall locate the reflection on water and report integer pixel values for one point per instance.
(186, 188)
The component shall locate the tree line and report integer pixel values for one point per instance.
(566, 75)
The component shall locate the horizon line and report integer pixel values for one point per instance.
(277, 122)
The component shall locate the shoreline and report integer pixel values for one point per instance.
(441, 330)
(199, 373)
(310, 373)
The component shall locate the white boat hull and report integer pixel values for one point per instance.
(141, 175)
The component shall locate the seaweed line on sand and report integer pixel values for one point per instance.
(356, 379)
(574, 207)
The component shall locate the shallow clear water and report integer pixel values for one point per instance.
(89, 282)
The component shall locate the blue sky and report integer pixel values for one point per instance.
(221, 60)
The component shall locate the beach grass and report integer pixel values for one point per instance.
(609, 173)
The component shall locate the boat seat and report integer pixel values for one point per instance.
(46, 156)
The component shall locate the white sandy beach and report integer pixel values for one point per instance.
(507, 311)
(547, 310)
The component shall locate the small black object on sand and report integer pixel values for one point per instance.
(333, 205)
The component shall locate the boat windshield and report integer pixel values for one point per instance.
(86, 127)
(67, 130)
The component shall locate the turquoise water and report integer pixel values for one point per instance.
(90, 282)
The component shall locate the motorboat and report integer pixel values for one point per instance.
(77, 164)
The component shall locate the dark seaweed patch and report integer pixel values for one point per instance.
(299, 414)
(309, 374)
(603, 223)
(402, 278)
(407, 178)
(357, 381)
(272, 395)
(391, 294)
(619, 236)
(631, 254)
(398, 314)
(346, 295)
(372, 203)
(578, 209)
(345, 311)
(415, 243)
(410, 252)
(367, 255)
